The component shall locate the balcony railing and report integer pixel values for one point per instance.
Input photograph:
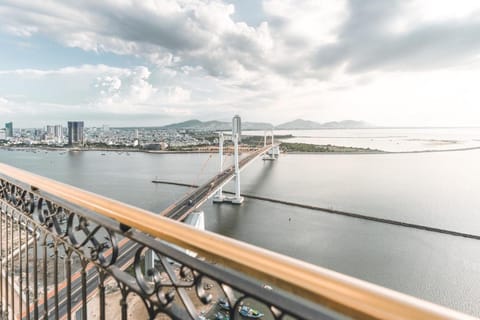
(70, 254)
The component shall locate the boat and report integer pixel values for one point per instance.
(250, 312)
(224, 304)
(222, 316)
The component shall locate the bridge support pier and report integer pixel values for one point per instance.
(219, 197)
(195, 219)
(237, 198)
(273, 153)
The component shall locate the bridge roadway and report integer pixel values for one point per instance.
(192, 201)
(127, 248)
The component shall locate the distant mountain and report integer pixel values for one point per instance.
(346, 124)
(299, 124)
(182, 125)
(306, 125)
(215, 125)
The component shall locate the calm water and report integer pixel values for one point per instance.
(398, 139)
(438, 189)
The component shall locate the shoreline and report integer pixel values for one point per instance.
(389, 152)
(58, 149)
(373, 152)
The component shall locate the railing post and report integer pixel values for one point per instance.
(55, 274)
(12, 268)
(84, 289)
(27, 269)
(68, 276)
(35, 273)
(101, 293)
(123, 305)
(7, 302)
(20, 265)
(45, 274)
(1, 261)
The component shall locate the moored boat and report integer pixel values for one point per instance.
(250, 312)
(222, 316)
(224, 304)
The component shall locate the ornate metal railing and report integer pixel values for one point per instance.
(66, 254)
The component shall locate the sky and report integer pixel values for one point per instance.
(154, 62)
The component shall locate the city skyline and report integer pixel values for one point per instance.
(395, 63)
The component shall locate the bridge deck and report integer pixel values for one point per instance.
(192, 201)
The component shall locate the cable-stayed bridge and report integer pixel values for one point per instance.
(192, 201)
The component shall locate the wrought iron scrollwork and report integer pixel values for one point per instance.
(96, 253)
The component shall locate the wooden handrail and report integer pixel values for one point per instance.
(345, 294)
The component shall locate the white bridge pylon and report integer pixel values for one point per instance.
(219, 196)
(271, 154)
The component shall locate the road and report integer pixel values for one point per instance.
(127, 250)
(192, 201)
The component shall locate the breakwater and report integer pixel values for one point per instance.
(341, 213)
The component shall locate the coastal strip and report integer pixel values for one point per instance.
(334, 150)
(342, 213)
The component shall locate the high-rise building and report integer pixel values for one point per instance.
(9, 129)
(50, 131)
(75, 133)
(237, 126)
(37, 133)
(58, 133)
(54, 132)
(3, 134)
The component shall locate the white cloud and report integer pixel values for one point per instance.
(435, 11)
(85, 69)
(178, 95)
(415, 13)
(93, 88)
(20, 31)
(4, 106)
(319, 58)
(309, 21)
(166, 32)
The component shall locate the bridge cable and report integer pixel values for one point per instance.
(195, 181)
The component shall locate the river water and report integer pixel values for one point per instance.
(393, 140)
(439, 189)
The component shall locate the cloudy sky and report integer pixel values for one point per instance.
(153, 62)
